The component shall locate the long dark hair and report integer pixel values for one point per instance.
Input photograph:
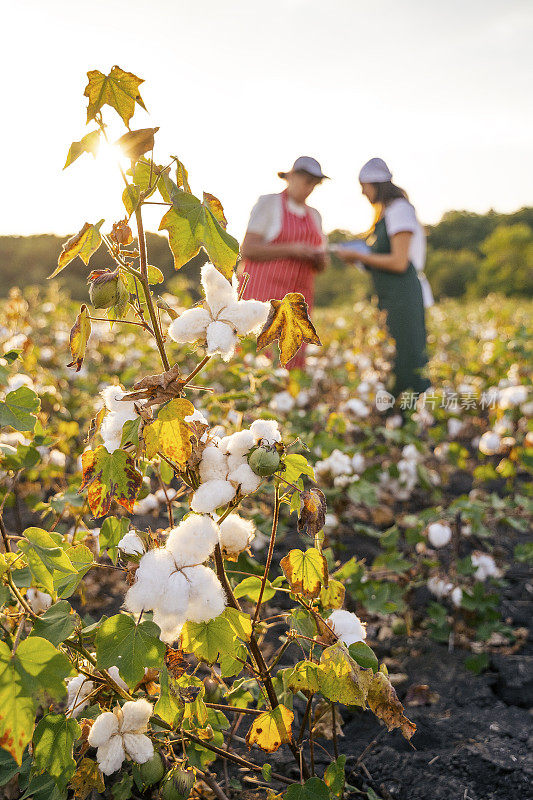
(387, 191)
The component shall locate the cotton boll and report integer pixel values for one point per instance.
(457, 596)
(240, 443)
(78, 689)
(196, 416)
(39, 601)
(146, 505)
(247, 316)
(221, 339)
(154, 570)
(193, 541)
(111, 432)
(214, 465)
(206, 595)
(114, 673)
(135, 716)
(358, 463)
(282, 402)
(486, 566)
(439, 587)
(489, 443)
(175, 597)
(16, 381)
(112, 397)
(410, 453)
(170, 626)
(235, 460)
(236, 534)
(455, 426)
(266, 430)
(357, 407)
(139, 747)
(439, 534)
(244, 478)
(110, 755)
(104, 727)
(211, 495)
(131, 544)
(347, 626)
(219, 292)
(190, 326)
(512, 396)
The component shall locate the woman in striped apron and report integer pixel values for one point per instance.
(396, 262)
(284, 246)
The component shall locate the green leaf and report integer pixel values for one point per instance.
(44, 787)
(313, 789)
(233, 663)
(44, 557)
(109, 476)
(170, 707)
(119, 89)
(364, 656)
(192, 225)
(44, 667)
(303, 678)
(250, 588)
(334, 776)
(296, 465)
(90, 143)
(81, 558)
(19, 408)
(111, 532)
(122, 790)
(56, 624)
(82, 244)
(207, 640)
(154, 276)
(131, 647)
(24, 457)
(363, 492)
(53, 741)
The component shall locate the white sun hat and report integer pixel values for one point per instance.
(375, 171)
(305, 164)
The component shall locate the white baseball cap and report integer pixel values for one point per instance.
(375, 171)
(306, 164)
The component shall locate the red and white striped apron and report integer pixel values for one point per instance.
(272, 280)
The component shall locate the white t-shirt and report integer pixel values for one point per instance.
(400, 216)
(267, 216)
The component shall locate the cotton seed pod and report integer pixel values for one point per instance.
(150, 772)
(177, 784)
(104, 288)
(264, 461)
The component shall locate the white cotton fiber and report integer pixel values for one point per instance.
(247, 316)
(193, 541)
(175, 597)
(220, 339)
(114, 673)
(170, 626)
(206, 595)
(219, 292)
(214, 465)
(240, 443)
(439, 587)
(112, 396)
(139, 747)
(235, 460)
(196, 416)
(245, 478)
(131, 544)
(266, 430)
(154, 570)
(211, 495)
(485, 566)
(78, 689)
(104, 727)
(236, 534)
(111, 432)
(439, 534)
(39, 601)
(190, 326)
(490, 443)
(347, 626)
(135, 716)
(110, 755)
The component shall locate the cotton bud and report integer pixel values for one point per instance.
(177, 784)
(439, 534)
(264, 461)
(150, 772)
(104, 289)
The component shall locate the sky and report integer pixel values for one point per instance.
(240, 88)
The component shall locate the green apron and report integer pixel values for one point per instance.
(400, 295)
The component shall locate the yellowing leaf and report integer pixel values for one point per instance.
(135, 144)
(333, 596)
(119, 89)
(130, 197)
(289, 323)
(271, 729)
(109, 476)
(341, 679)
(79, 336)
(384, 702)
(192, 225)
(182, 176)
(215, 207)
(306, 572)
(82, 244)
(169, 434)
(90, 143)
(86, 778)
(221, 635)
(312, 512)
(303, 678)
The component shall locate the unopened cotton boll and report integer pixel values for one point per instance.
(247, 316)
(206, 595)
(236, 534)
(265, 430)
(347, 626)
(193, 541)
(245, 479)
(211, 495)
(219, 292)
(78, 689)
(220, 339)
(190, 326)
(131, 544)
(39, 601)
(439, 534)
(240, 442)
(490, 443)
(214, 464)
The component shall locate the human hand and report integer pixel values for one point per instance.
(303, 251)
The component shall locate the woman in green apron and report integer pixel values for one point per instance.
(395, 260)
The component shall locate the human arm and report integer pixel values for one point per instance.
(395, 261)
(255, 248)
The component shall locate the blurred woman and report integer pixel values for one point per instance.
(396, 258)
(284, 246)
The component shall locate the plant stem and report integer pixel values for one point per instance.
(222, 707)
(269, 556)
(23, 602)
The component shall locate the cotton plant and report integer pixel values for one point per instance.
(121, 733)
(222, 319)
